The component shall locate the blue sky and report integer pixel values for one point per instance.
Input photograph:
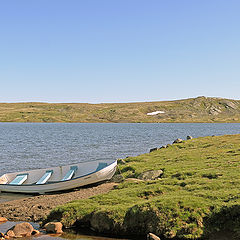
(118, 50)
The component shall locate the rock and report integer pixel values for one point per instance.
(10, 234)
(117, 178)
(53, 227)
(121, 161)
(150, 175)
(24, 229)
(153, 149)
(164, 146)
(178, 140)
(3, 219)
(35, 232)
(135, 180)
(2, 236)
(101, 222)
(189, 137)
(214, 111)
(229, 104)
(152, 236)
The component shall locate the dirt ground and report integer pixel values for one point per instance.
(35, 208)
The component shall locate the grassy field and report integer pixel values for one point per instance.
(199, 109)
(198, 194)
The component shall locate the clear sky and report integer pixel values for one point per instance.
(118, 50)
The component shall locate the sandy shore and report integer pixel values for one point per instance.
(35, 208)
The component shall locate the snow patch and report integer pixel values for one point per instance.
(155, 113)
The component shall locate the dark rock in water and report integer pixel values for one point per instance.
(189, 137)
(150, 175)
(153, 149)
(152, 236)
(24, 229)
(178, 140)
(53, 227)
(117, 178)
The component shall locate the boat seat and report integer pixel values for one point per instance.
(45, 177)
(19, 179)
(70, 173)
(100, 166)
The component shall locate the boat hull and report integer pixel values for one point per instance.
(95, 177)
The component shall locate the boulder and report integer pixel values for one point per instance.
(24, 229)
(152, 236)
(153, 149)
(3, 219)
(2, 236)
(53, 227)
(178, 140)
(101, 222)
(150, 175)
(164, 146)
(117, 178)
(10, 234)
(189, 137)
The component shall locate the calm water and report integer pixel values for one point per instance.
(26, 146)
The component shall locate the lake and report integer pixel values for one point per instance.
(26, 146)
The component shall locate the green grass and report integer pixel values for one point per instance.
(199, 109)
(199, 193)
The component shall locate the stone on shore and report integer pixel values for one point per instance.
(150, 175)
(152, 236)
(53, 227)
(2, 236)
(117, 178)
(189, 137)
(178, 140)
(153, 149)
(3, 219)
(24, 229)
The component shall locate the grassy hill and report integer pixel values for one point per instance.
(198, 194)
(200, 109)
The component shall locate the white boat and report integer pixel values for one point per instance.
(57, 178)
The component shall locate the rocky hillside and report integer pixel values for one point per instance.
(200, 109)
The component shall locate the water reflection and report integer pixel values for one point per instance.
(4, 226)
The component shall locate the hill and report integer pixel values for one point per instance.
(200, 109)
(197, 195)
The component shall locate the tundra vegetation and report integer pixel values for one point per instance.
(197, 195)
(200, 109)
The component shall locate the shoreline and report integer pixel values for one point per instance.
(35, 208)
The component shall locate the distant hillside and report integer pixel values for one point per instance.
(200, 109)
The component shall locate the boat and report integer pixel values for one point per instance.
(57, 178)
